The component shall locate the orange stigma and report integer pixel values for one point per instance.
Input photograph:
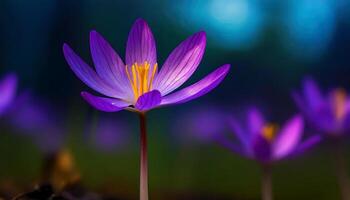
(339, 103)
(141, 78)
(269, 131)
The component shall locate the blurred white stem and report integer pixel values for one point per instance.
(340, 169)
(266, 183)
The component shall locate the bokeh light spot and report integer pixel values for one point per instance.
(233, 24)
(310, 27)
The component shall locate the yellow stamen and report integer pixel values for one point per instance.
(269, 131)
(152, 76)
(131, 82)
(339, 103)
(140, 79)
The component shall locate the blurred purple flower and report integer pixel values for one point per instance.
(109, 135)
(265, 142)
(329, 114)
(38, 119)
(137, 85)
(200, 125)
(8, 87)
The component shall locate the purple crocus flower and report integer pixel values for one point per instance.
(330, 113)
(136, 85)
(8, 87)
(266, 142)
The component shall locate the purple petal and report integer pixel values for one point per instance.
(181, 63)
(242, 136)
(347, 106)
(312, 94)
(104, 104)
(141, 46)
(108, 64)
(261, 148)
(8, 86)
(148, 100)
(255, 121)
(87, 75)
(347, 120)
(306, 145)
(289, 137)
(198, 89)
(321, 119)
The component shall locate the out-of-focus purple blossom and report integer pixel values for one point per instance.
(137, 85)
(110, 135)
(38, 119)
(199, 125)
(266, 142)
(328, 113)
(8, 87)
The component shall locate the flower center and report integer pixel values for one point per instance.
(141, 77)
(269, 131)
(339, 103)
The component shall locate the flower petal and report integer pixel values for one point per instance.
(87, 75)
(8, 86)
(321, 119)
(104, 104)
(347, 120)
(306, 145)
(181, 63)
(141, 46)
(198, 89)
(148, 100)
(312, 93)
(241, 135)
(108, 64)
(289, 137)
(255, 120)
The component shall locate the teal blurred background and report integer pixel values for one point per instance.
(272, 45)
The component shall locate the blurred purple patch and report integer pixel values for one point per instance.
(265, 142)
(330, 113)
(8, 87)
(110, 135)
(36, 118)
(200, 125)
